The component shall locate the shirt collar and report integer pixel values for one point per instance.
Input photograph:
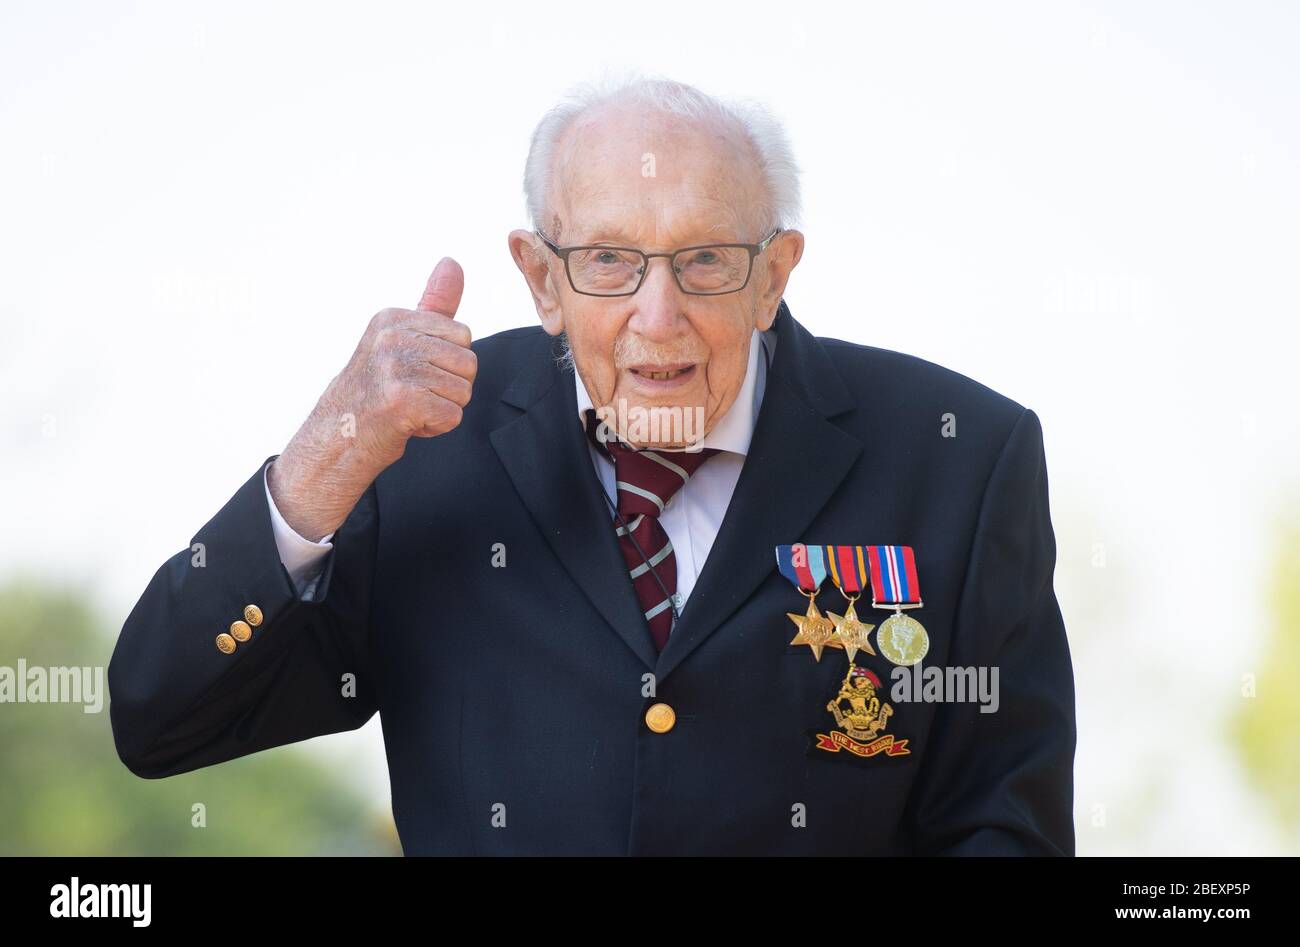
(735, 429)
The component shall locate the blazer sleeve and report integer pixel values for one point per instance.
(178, 703)
(1002, 783)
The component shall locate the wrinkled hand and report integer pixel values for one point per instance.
(411, 375)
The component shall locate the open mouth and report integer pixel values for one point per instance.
(660, 373)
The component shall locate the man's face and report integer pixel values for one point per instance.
(657, 184)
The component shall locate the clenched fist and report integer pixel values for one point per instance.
(411, 376)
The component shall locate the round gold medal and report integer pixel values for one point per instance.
(902, 639)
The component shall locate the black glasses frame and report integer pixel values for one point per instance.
(754, 250)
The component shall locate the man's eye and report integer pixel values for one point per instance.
(606, 257)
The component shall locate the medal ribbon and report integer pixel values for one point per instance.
(803, 565)
(848, 569)
(893, 575)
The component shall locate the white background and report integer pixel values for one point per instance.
(1088, 207)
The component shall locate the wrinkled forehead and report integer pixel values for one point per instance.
(655, 182)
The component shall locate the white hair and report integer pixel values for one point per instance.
(766, 136)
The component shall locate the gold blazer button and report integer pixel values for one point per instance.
(253, 615)
(660, 718)
(240, 631)
(225, 643)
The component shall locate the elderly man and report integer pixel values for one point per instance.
(606, 604)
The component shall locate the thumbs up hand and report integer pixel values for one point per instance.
(411, 375)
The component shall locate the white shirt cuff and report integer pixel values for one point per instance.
(302, 558)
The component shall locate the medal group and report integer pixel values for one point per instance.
(890, 571)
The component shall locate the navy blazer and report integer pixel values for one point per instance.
(513, 695)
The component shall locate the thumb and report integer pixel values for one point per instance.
(442, 292)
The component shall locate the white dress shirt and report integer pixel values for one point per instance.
(691, 518)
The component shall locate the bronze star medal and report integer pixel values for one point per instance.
(805, 567)
(847, 567)
(815, 630)
(852, 635)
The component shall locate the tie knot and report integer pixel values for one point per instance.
(647, 478)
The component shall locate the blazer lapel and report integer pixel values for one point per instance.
(797, 460)
(545, 453)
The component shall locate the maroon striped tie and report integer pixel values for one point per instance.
(646, 481)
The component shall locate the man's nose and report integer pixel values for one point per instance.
(658, 302)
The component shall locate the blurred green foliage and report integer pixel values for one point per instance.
(1266, 730)
(63, 790)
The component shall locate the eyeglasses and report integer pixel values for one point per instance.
(710, 270)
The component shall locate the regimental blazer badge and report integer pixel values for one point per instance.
(861, 716)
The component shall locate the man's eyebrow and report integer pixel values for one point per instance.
(608, 232)
(614, 233)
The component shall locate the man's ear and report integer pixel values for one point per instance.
(782, 256)
(533, 259)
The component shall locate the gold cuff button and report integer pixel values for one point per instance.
(240, 631)
(253, 615)
(660, 718)
(225, 643)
